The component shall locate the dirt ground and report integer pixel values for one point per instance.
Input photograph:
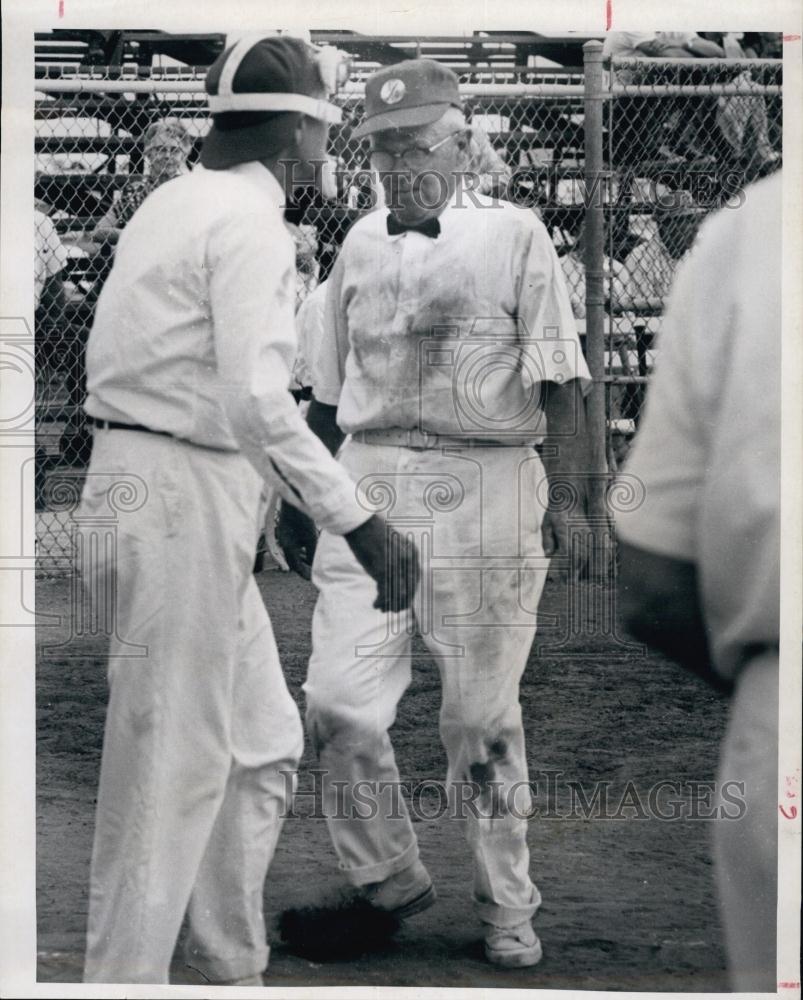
(629, 902)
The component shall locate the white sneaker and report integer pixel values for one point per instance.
(513, 947)
(408, 892)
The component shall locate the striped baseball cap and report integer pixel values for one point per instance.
(250, 83)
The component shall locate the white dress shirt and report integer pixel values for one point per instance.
(452, 335)
(649, 269)
(194, 334)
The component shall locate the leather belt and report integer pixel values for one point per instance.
(401, 437)
(115, 425)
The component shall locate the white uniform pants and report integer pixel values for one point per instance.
(202, 737)
(746, 848)
(475, 515)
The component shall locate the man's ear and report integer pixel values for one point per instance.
(464, 145)
(300, 129)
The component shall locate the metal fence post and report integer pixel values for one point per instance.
(595, 291)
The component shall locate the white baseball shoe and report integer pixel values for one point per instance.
(513, 947)
(408, 892)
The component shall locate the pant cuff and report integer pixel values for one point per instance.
(507, 916)
(381, 870)
(221, 970)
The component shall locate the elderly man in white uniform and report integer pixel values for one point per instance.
(449, 337)
(188, 367)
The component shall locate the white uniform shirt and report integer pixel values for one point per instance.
(451, 335)
(628, 44)
(309, 327)
(194, 334)
(574, 271)
(51, 256)
(649, 269)
(708, 449)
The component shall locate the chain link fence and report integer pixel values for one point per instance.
(106, 137)
(683, 137)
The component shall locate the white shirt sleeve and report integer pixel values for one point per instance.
(551, 349)
(669, 452)
(329, 358)
(310, 327)
(251, 292)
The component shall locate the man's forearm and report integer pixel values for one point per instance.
(705, 48)
(659, 605)
(565, 449)
(322, 421)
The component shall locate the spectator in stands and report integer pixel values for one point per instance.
(50, 259)
(640, 137)
(650, 265)
(684, 131)
(167, 146)
(490, 172)
(685, 45)
(655, 45)
(306, 241)
(743, 120)
(574, 270)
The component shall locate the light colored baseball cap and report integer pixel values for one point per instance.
(407, 95)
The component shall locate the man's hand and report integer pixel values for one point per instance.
(297, 537)
(566, 460)
(561, 542)
(106, 234)
(390, 559)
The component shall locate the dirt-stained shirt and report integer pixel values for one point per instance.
(450, 335)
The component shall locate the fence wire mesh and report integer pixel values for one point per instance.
(683, 137)
(106, 137)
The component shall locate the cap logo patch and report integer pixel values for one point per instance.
(392, 91)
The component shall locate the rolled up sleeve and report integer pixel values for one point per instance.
(551, 350)
(329, 357)
(251, 297)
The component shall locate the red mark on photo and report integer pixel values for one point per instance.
(609, 15)
(791, 38)
(792, 814)
(61, 8)
(785, 985)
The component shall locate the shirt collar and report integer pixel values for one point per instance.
(260, 176)
(456, 200)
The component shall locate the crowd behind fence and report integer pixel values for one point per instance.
(621, 163)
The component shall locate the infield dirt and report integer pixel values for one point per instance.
(629, 902)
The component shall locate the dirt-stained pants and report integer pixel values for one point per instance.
(202, 737)
(476, 515)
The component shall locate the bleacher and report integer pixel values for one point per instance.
(98, 91)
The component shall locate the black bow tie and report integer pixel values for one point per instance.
(430, 227)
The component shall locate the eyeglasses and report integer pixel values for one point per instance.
(414, 157)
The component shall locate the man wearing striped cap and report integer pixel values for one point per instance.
(188, 364)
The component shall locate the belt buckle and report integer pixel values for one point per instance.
(420, 440)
